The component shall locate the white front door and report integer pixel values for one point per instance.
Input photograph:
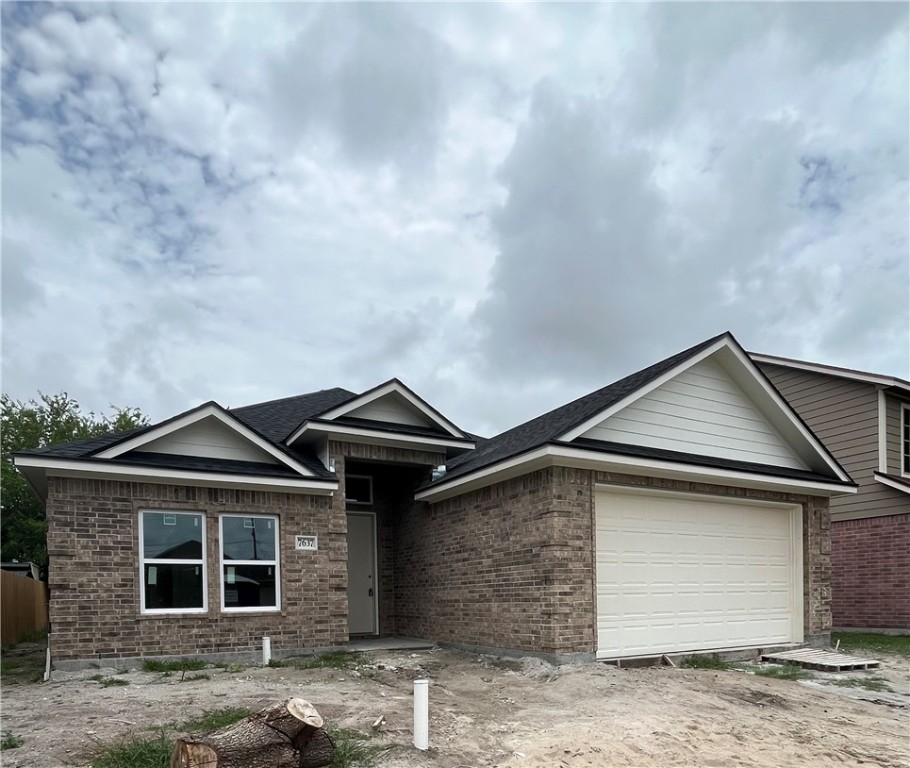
(362, 587)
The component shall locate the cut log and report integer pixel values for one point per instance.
(287, 735)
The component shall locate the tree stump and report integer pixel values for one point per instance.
(288, 735)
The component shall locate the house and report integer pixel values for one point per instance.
(684, 507)
(864, 419)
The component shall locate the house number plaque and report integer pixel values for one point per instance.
(306, 543)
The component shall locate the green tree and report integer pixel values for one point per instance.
(50, 420)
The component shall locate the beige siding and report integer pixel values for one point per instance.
(391, 408)
(844, 415)
(212, 439)
(701, 411)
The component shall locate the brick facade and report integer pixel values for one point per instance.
(511, 565)
(871, 572)
(94, 573)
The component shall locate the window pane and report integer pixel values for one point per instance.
(358, 489)
(248, 538)
(249, 586)
(173, 586)
(171, 536)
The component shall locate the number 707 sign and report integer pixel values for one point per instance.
(306, 543)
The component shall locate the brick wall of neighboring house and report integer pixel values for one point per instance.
(94, 573)
(871, 572)
(511, 565)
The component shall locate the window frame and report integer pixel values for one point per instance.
(276, 563)
(369, 479)
(143, 561)
(904, 440)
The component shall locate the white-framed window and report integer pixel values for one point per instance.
(250, 576)
(358, 489)
(172, 573)
(905, 439)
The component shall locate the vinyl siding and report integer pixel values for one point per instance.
(844, 415)
(701, 411)
(391, 408)
(209, 438)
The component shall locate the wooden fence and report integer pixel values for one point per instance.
(23, 607)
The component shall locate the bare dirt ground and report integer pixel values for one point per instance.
(488, 712)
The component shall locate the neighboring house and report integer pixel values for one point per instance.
(864, 420)
(684, 507)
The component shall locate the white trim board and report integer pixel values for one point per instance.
(210, 410)
(885, 480)
(112, 471)
(568, 456)
(379, 436)
(381, 391)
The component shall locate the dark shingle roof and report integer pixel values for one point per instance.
(231, 466)
(81, 448)
(382, 426)
(549, 427)
(277, 419)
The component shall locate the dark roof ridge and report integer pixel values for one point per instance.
(293, 397)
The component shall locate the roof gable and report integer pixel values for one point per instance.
(389, 403)
(702, 411)
(207, 431)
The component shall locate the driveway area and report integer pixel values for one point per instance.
(489, 712)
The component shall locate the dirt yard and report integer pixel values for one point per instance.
(488, 712)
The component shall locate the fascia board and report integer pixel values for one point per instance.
(558, 455)
(377, 435)
(578, 431)
(386, 389)
(885, 480)
(831, 370)
(194, 416)
(113, 471)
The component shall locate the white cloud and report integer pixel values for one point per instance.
(477, 199)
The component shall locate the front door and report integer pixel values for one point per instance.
(362, 587)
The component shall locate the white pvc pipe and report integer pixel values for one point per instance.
(422, 714)
(266, 651)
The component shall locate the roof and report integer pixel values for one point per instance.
(277, 419)
(550, 426)
(833, 370)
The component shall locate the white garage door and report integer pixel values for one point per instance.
(680, 572)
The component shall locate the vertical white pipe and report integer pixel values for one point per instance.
(266, 650)
(422, 714)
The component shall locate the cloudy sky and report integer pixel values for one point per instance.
(506, 206)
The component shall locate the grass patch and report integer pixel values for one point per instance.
(213, 719)
(10, 741)
(353, 748)
(704, 662)
(189, 665)
(232, 666)
(190, 678)
(869, 683)
(108, 682)
(785, 672)
(872, 642)
(330, 660)
(148, 752)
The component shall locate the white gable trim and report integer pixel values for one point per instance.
(832, 370)
(380, 436)
(561, 455)
(790, 426)
(381, 391)
(112, 471)
(891, 483)
(191, 417)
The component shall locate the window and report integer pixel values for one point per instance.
(358, 489)
(905, 439)
(172, 562)
(249, 563)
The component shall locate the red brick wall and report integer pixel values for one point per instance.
(871, 572)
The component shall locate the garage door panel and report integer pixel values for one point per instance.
(679, 572)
